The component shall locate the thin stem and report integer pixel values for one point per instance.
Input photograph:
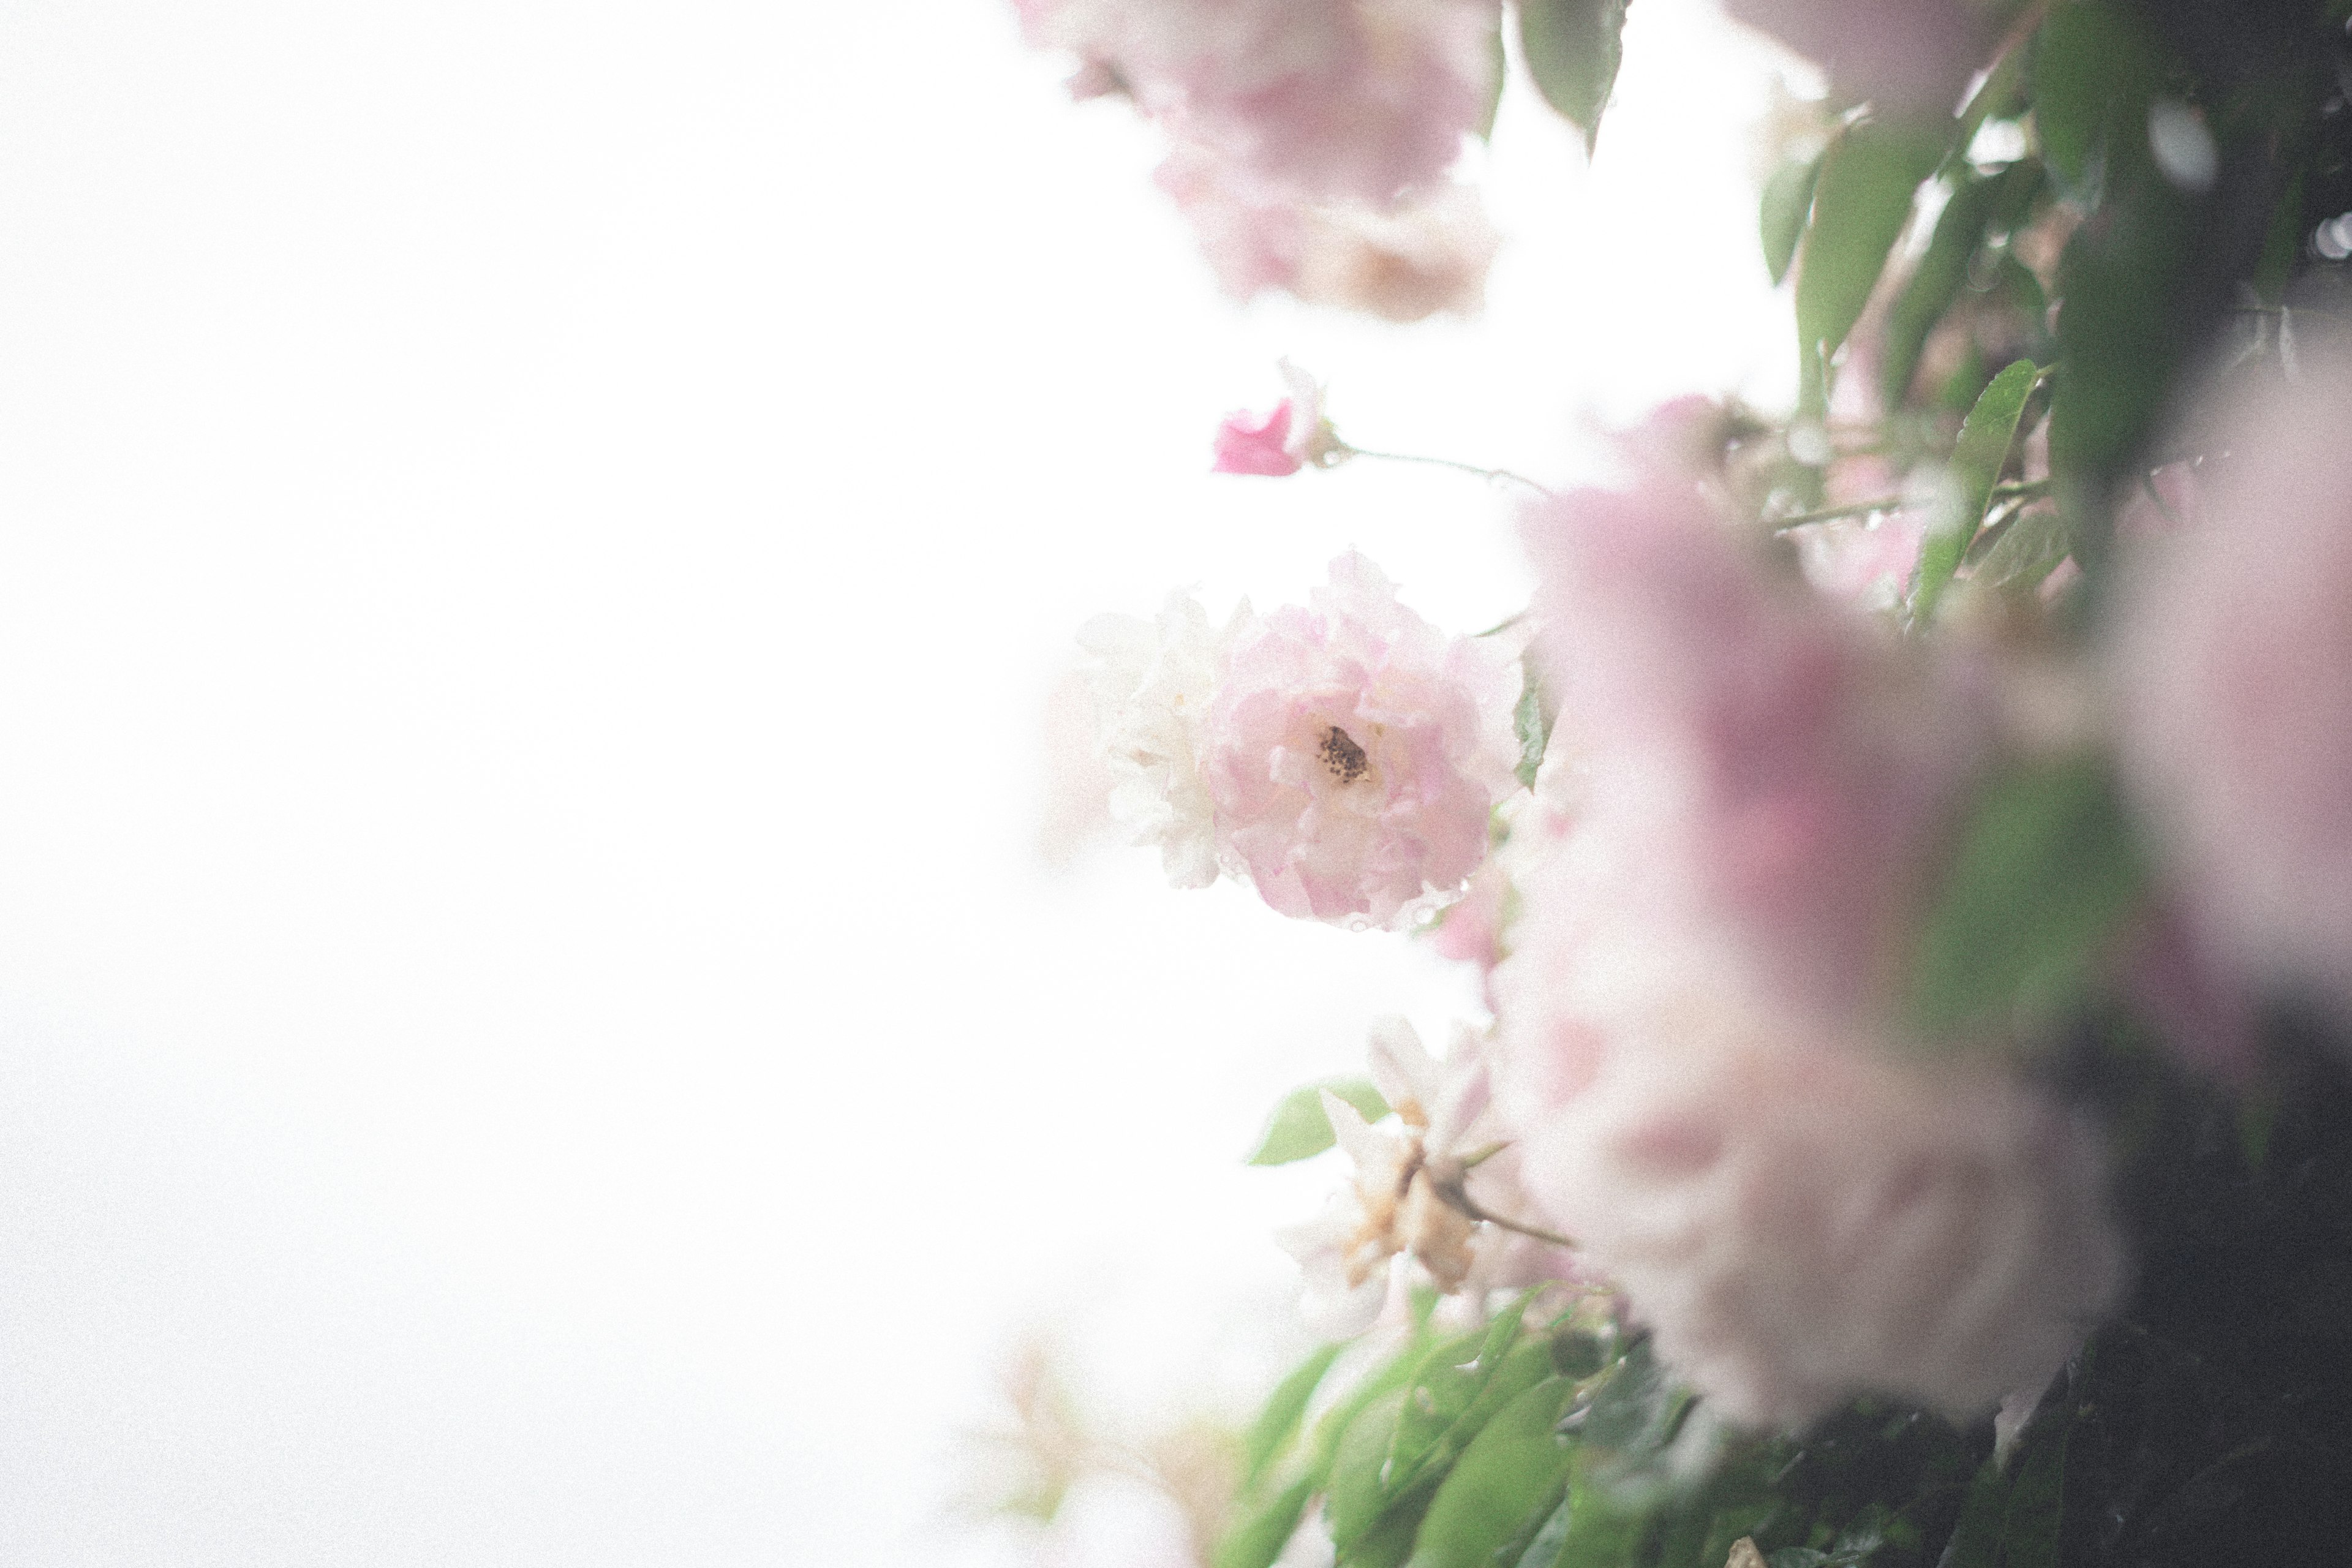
(1448, 1186)
(1487, 474)
(1900, 503)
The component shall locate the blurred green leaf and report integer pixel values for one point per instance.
(1277, 1423)
(1298, 1129)
(1598, 1533)
(1787, 201)
(2027, 551)
(1572, 48)
(1868, 178)
(1527, 720)
(2032, 1523)
(1978, 204)
(1259, 1538)
(1358, 1497)
(2094, 73)
(2044, 870)
(1975, 1539)
(1501, 67)
(1513, 1468)
(1985, 437)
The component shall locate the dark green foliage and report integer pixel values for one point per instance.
(1573, 50)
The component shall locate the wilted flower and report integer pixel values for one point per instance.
(1406, 1195)
(1151, 682)
(1353, 752)
(1293, 435)
(2233, 662)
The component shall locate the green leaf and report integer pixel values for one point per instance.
(1527, 720)
(2045, 869)
(1357, 1497)
(1977, 205)
(1975, 1538)
(1501, 67)
(2093, 74)
(1864, 199)
(1511, 1470)
(2037, 1501)
(1572, 48)
(1259, 1540)
(1600, 1534)
(2028, 550)
(1298, 1129)
(1985, 437)
(1787, 202)
(1277, 1423)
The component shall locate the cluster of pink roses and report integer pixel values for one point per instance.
(1309, 140)
(1343, 756)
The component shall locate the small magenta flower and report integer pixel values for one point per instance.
(1292, 435)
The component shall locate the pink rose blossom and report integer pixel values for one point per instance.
(1428, 254)
(1293, 436)
(1803, 1216)
(1310, 100)
(1786, 763)
(1353, 753)
(2233, 661)
(1256, 443)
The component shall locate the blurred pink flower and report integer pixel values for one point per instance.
(1292, 435)
(2233, 661)
(1256, 443)
(1784, 762)
(1353, 753)
(1427, 254)
(1898, 53)
(1310, 101)
(1692, 1045)
(1803, 1216)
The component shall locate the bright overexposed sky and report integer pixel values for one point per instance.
(534, 541)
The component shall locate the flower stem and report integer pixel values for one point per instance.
(1899, 503)
(1490, 474)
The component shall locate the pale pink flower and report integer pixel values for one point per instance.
(1802, 1217)
(1152, 683)
(1784, 763)
(2233, 661)
(1428, 255)
(1353, 753)
(1293, 435)
(1898, 53)
(1310, 101)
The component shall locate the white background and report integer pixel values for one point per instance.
(534, 540)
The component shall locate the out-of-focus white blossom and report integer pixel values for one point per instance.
(1151, 682)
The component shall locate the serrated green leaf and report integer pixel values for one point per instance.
(1781, 211)
(1512, 1470)
(1868, 178)
(1985, 437)
(1527, 720)
(2044, 870)
(1299, 1130)
(1277, 1423)
(1573, 48)
(1259, 1538)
